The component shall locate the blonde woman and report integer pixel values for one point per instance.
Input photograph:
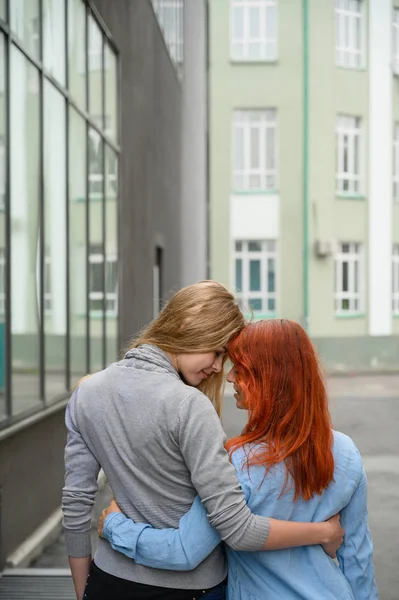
(148, 422)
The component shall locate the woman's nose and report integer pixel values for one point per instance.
(230, 376)
(218, 364)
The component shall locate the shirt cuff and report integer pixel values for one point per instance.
(111, 520)
(78, 544)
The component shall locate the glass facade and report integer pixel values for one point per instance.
(59, 158)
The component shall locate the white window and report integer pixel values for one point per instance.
(255, 275)
(2, 281)
(348, 294)
(96, 294)
(395, 41)
(170, 17)
(349, 27)
(254, 150)
(395, 279)
(348, 155)
(396, 164)
(253, 30)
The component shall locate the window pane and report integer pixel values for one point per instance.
(95, 68)
(77, 51)
(271, 276)
(254, 246)
(238, 280)
(239, 148)
(238, 23)
(97, 271)
(254, 145)
(111, 93)
(271, 304)
(345, 277)
(255, 304)
(111, 236)
(25, 23)
(55, 240)
(3, 289)
(254, 22)
(77, 244)
(54, 38)
(254, 276)
(271, 22)
(24, 148)
(238, 246)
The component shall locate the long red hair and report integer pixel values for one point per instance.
(279, 376)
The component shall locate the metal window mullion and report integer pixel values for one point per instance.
(245, 29)
(87, 215)
(67, 221)
(103, 212)
(247, 161)
(42, 220)
(7, 207)
(263, 165)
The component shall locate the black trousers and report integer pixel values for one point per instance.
(103, 586)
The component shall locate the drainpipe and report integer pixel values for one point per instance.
(305, 163)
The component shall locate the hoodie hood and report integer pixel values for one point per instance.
(150, 358)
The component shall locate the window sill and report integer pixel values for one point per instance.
(254, 192)
(98, 315)
(253, 61)
(95, 198)
(343, 196)
(347, 68)
(350, 315)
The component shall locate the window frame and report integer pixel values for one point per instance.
(355, 131)
(244, 121)
(247, 40)
(346, 56)
(267, 252)
(355, 277)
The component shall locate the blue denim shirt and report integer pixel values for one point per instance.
(305, 573)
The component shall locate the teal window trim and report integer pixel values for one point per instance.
(254, 192)
(350, 315)
(343, 196)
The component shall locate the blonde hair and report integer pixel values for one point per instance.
(199, 318)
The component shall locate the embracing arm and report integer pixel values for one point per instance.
(355, 556)
(184, 548)
(81, 472)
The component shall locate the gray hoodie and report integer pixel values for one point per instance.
(160, 443)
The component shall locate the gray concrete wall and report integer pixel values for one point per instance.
(150, 200)
(31, 479)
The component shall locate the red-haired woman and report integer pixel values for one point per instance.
(291, 466)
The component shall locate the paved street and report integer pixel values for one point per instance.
(367, 409)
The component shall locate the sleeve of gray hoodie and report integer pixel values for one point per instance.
(201, 439)
(78, 494)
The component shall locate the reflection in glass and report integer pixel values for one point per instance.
(24, 156)
(2, 228)
(55, 241)
(96, 250)
(111, 236)
(77, 244)
(77, 51)
(54, 38)
(24, 17)
(111, 99)
(3, 15)
(95, 62)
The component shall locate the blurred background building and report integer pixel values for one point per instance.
(304, 168)
(103, 131)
